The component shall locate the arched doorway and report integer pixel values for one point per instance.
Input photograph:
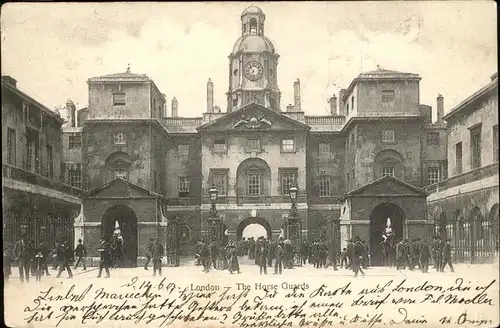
(127, 222)
(378, 222)
(255, 226)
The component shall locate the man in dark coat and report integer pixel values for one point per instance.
(149, 252)
(424, 256)
(359, 252)
(263, 250)
(157, 256)
(446, 256)
(350, 253)
(106, 258)
(214, 254)
(436, 252)
(278, 261)
(400, 253)
(43, 248)
(270, 253)
(81, 253)
(205, 256)
(23, 253)
(65, 253)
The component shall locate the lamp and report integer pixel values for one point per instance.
(293, 193)
(213, 194)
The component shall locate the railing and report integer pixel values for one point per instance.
(470, 176)
(16, 173)
(262, 200)
(325, 120)
(182, 121)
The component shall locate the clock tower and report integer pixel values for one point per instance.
(253, 65)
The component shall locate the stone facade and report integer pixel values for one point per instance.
(464, 207)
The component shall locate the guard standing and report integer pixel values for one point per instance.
(157, 255)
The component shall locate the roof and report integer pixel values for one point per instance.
(125, 182)
(253, 43)
(475, 96)
(387, 179)
(182, 124)
(380, 74)
(125, 76)
(253, 10)
(325, 123)
(24, 95)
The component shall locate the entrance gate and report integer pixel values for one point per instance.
(378, 221)
(125, 217)
(253, 220)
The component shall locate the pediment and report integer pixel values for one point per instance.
(119, 188)
(254, 117)
(387, 186)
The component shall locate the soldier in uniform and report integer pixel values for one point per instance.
(157, 256)
(424, 256)
(446, 256)
(149, 252)
(23, 253)
(65, 253)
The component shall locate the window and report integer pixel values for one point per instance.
(352, 103)
(475, 144)
(287, 145)
(220, 146)
(353, 140)
(50, 162)
(433, 175)
(388, 136)
(75, 142)
(121, 174)
(11, 146)
(433, 139)
(119, 99)
(288, 179)
(458, 157)
(119, 138)
(220, 182)
(183, 186)
(253, 145)
(495, 143)
(253, 185)
(388, 171)
(324, 186)
(387, 97)
(324, 149)
(347, 110)
(32, 156)
(75, 178)
(183, 152)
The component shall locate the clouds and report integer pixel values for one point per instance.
(49, 47)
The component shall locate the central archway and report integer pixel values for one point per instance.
(253, 221)
(378, 222)
(127, 222)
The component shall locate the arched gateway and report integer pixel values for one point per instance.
(125, 218)
(250, 221)
(378, 223)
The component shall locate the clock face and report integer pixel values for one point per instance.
(253, 70)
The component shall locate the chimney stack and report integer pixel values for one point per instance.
(333, 105)
(296, 95)
(9, 80)
(289, 108)
(342, 93)
(71, 113)
(164, 114)
(174, 107)
(210, 96)
(440, 109)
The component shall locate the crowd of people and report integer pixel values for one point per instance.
(32, 259)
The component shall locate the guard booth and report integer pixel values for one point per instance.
(215, 230)
(293, 232)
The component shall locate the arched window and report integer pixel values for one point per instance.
(253, 26)
(388, 162)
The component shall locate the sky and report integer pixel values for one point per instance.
(51, 49)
